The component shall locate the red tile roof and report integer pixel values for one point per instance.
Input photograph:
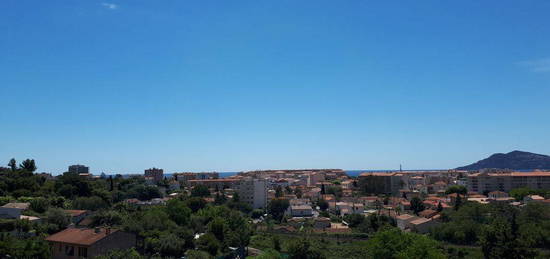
(79, 236)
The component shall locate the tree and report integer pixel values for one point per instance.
(220, 198)
(374, 222)
(277, 207)
(458, 201)
(279, 191)
(335, 190)
(288, 189)
(417, 205)
(458, 189)
(171, 246)
(298, 193)
(13, 164)
(235, 197)
(197, 254)
(208, 243)
(111, 184)
(89, 203)
(217, 228)
(439, 207)
(499, 240)
(200, 191)
(354, 220)
(302, 249)
(195, 203)
(268, 254)
(144, 193)
(28, 165)
(121, 254)
(394, 243)
(57, 217)
(178, 212)
(107, 218)
(276, 241)
(323, 205)
(39, 204)
(257, 213)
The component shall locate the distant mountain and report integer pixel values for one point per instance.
(516, 160)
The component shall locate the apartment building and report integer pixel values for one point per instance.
(381, 183)
(79, 169)
(156, 174)
(252, 191)
(485, 182)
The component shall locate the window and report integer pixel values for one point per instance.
(69, 250)
(83, 251)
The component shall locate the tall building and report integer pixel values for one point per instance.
(79, 169)
(505, 181)
(252, 191)
(156, 174)
(381, 183)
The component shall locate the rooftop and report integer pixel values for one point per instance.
(17, 205)
(419, 221)
(514, 174)
(79, 236)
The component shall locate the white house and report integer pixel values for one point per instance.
(301, 211)
(13, 210)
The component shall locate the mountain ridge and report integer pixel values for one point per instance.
(516, 160)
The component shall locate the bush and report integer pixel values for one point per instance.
(39, 205)
(90, 203)
(257, 213)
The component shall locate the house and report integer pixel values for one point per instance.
(497, 194)
(530, 198)
(13, 210)
(403, 221)
(321, 223)
(369, 201)
(88, 242)
(427, 213)
(30, 218)
(405, 205)
(423, 225)
(357, 208)
(301, 211)
(174, 185)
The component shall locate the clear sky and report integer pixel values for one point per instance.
(122, 86)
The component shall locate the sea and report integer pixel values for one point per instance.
(352, 173)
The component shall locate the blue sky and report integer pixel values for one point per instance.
(237, 85)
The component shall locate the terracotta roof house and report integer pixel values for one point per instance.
(422, 225)
(88, 242)
(403, 220)
(529, 198)
(427, 213)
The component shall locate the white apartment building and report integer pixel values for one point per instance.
(506, 181)
(252, 191)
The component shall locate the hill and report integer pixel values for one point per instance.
(516, 160)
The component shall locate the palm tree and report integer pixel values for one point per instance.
(12, 164)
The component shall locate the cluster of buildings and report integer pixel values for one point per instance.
(382, 193)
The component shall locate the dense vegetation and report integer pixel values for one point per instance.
(501, 230)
